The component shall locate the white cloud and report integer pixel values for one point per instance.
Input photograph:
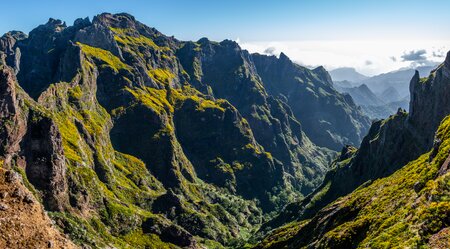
(333, 54)
(415, 55)
(270, 51)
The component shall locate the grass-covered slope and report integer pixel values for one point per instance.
(408, 209)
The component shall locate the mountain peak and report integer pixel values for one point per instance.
(347, 73)
(52, 24)
(364, 87)
(229, 43)
(284, 57)
(55, 22)
(416, 74)
(18, 35)
(82, 22)
(203, 40)
(121, 20)
(447, 60)
(320, 69)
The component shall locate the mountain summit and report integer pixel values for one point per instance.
(347, 74)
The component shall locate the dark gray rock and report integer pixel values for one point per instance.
(45, 161)
(3, 207)
(99, 36)
(12, 176)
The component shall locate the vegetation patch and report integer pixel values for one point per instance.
(390, 212)
(160, 75)
(153, 98)
(103, 55)
(129, 37)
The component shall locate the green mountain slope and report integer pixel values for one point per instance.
(401, 208)
(410, 208)
(132, 139)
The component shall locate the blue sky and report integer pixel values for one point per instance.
(253, 20)
(257, 22)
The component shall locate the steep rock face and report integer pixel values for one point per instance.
(45, 55)
(13, 123)
(25, 222)
(97, 35)
(8, 106)
(430, 101)
(223, 144)
(12, 53)
(327, 117)
(143, 114)
(223, 70)
(61, 145)
(390, 144)
(40, 55)
(45, 163)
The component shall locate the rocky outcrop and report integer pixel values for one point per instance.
(45, 162)
(40, 56)
(12, 53)
(13, 124)
(97, 35)
(37, 141)
(430, 101)
(8, 102)
(24, 222)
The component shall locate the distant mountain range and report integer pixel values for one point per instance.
(397, 79)
(362, 95)
(347, 73)
(375, 106)
(381, 95)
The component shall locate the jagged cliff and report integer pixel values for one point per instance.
(411, 151)
(328, 118)
(130, 138)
